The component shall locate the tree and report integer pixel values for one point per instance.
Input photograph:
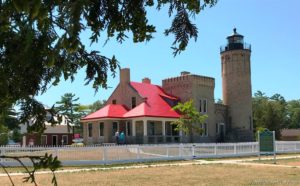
(96, 105)
(190, 120)
(69, 107)
(45, 37)
(293, 109)
(269, 112)
(16, 135)
(8, 118)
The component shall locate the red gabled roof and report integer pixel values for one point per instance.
(109, 111)
(154, 105)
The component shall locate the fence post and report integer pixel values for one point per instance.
(234, 148)
(104, 154)
(138, 152)
(215, 149)
(193, 151)
(167, 151)
(180, 148)
(2, 153)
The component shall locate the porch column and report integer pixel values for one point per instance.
(145, 131)
(164, 131)
(145, 127)
(163, 128)
(133, 128)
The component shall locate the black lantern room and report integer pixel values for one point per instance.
(235, 42)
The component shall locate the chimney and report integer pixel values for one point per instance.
(146, 80)
(184, 73)
(125, 75)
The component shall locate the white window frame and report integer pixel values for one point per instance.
(65, 142)
(205, 132)
(100, 129)
(88, 130)
(46, 139)
(204, 105)
(56, 139)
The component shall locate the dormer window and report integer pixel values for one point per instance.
(133, 102)
(114, 101)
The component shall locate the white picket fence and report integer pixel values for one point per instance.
(108, 154)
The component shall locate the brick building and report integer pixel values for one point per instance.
(143, 111)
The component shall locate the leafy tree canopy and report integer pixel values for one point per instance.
(40, 43)
(275, 113)
(190, 119)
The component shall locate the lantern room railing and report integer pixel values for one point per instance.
(235, 46)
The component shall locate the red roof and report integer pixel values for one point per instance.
(154, 105)
(109, 111)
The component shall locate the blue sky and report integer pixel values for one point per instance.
(270, 26)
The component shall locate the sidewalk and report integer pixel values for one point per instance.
(238, 161)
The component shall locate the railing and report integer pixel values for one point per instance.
(110, 153)
(235, 46)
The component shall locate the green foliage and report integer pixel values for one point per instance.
(190, 119)
(96, 105)
(69, 107)
(16, 136)
(3, 135)
(259, 129)
(8, 118)
(45, 37)
(275, 113)
(38, 162)
(293, 108)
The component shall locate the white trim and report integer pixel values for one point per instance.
(56, 139)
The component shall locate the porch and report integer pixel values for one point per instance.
(137, 131)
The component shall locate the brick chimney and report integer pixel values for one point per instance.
(184, 73)
(125, 75)
(146, 80)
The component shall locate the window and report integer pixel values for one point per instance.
(133, 102)
(101, 129)
(65, 140)
(200, 105)
(204, 128)
(44, 140)
(128, 128)
(217, 128)
(90, 130)
(204, 106)
(115, 127)
(150, 129)
(170, 129)
(114, 101)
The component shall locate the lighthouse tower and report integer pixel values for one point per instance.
(236, 82)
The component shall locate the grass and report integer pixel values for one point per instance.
(288, 161)
(213, 174)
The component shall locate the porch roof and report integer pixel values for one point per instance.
(109, 111)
